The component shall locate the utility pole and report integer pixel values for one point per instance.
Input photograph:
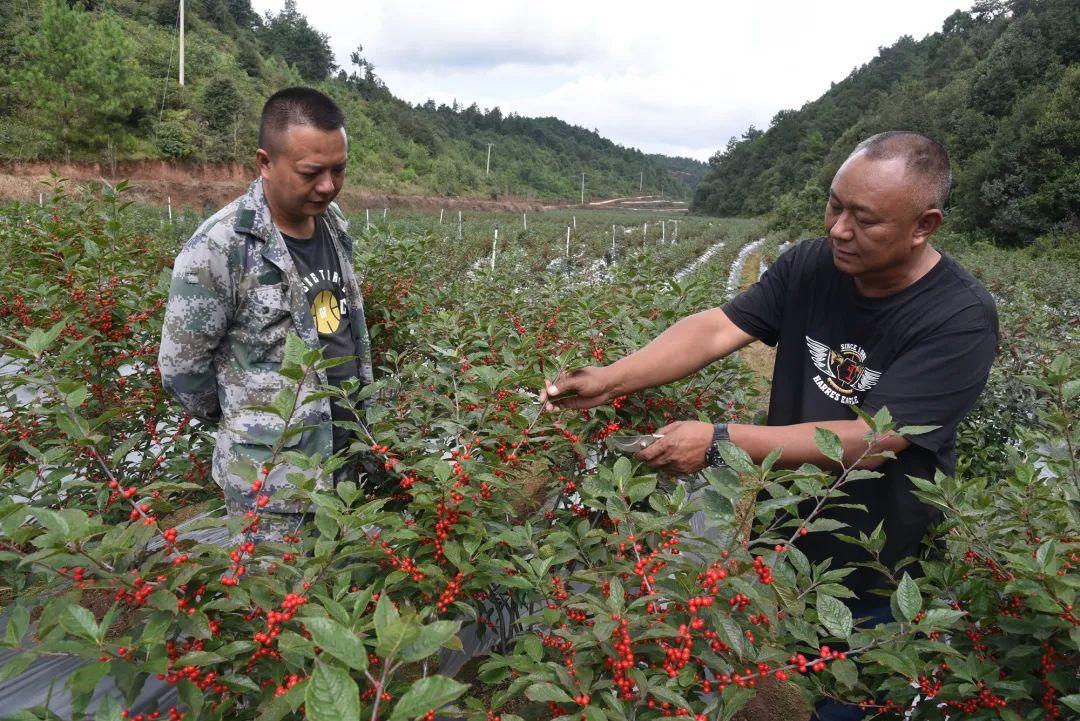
(583, 188)
(181, 42)
(488, 171)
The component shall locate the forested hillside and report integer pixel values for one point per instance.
(96, 80)
(999, 85)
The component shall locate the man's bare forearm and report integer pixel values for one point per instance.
(799, 446)
(681, 350)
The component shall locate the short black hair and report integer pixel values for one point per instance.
(925, 158)
(297, 106)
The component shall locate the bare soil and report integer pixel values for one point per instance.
(758, 356)
(205, 188)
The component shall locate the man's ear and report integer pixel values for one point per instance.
(927, 224)
(263, 161)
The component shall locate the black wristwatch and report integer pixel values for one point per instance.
(712, 455)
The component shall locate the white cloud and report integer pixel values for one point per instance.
(677, 77)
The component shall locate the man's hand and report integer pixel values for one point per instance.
(682, 448)
(583, 388)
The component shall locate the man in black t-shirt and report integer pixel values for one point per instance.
(870, 316)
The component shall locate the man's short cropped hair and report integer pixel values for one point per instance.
(297, 106)
(925, 159)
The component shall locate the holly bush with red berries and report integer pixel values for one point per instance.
(597, 588)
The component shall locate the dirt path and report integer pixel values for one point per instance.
(205, 188)
(774, 701)
(757, 355)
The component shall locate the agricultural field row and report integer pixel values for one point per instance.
(596, 588)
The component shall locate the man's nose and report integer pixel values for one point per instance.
(325, 184)
(842, 227)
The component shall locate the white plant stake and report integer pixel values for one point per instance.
(568, 247)
(168, 199)
(384, 213)
(440, 216)
(644, 233)
(459, 225)
(494, 243)
(524, 221)
(574, 218)
(613, 240)
(663, 231)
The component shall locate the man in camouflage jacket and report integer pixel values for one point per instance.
(235, 296)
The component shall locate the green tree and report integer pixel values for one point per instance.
(290, 35)
(79, 78)
(224, 110)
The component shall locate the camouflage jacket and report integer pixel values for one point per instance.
(234, 297)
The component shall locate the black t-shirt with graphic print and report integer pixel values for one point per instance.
(320, 275)
(924, 353)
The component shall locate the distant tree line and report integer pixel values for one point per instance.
(999, 85)
(96, 80)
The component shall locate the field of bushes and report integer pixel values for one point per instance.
(595, 588)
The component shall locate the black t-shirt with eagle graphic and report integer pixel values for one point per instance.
(924, 353)
(320, 275)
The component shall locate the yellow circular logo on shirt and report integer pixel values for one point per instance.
(326, 312)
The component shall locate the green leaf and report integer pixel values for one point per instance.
(908, 598)
(736, 458)
(338, 641)
(592, 713)
(191, 696)
(51, 520)
(834, 615)
(427, 694)
(1045, 555)
(15, 666)
(901, 665)
(18, 623)
(200, 658)
(80, 622)
(845, 671)
(392, 631)
(730, 633)
(1072, 701)
(668, 696)
(829, 444)
(547, 692)
(641, 488)
(331, 695)
(386, 615)
(86, 678)
(941, 617)
(915, 430)
(109, 710)
(533, 648)
(432, 637)
(294, 349)
(882, 420)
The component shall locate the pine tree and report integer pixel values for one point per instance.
(79, 77)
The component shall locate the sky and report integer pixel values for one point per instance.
(674, 77)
